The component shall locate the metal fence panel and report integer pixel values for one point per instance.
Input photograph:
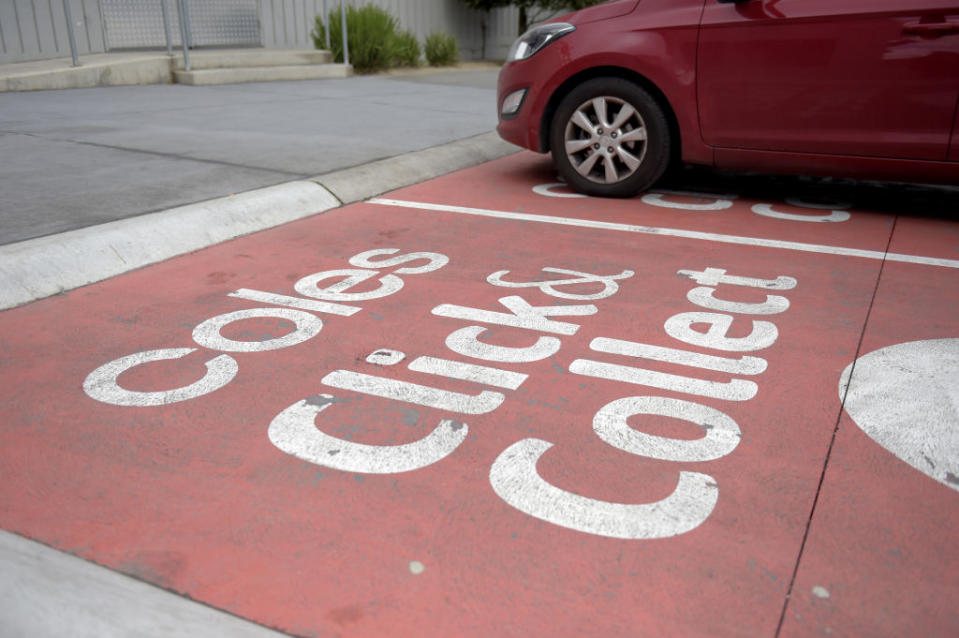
(37, 29)
(287, 23)
(91, 38)
(133, 24)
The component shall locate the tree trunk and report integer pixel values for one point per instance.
(483, 28)
(523, 24)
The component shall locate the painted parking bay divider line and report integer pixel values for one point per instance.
(672, 232)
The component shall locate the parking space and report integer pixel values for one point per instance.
(484, 406)
(888, 500)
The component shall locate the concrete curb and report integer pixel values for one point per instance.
(45, 266)
(38, 268)
(375, 178)
(50, 593)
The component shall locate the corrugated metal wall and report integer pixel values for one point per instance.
(37, 29)
(138, 24)
(287, 23)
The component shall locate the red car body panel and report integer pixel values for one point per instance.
(656, 41)
(828, 76)
(954, 146)
(864, 88)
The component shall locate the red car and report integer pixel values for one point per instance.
(621, 91)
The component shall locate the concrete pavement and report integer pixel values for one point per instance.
(357, 472)
(106, 180)
(49, 593)
(116, 161)
(49, 599)
(89, 156)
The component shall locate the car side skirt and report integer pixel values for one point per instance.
(838, 165)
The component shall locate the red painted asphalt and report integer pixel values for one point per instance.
(520, 503)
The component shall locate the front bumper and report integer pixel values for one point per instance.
(520, 127)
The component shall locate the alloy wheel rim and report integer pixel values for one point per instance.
(605, 140)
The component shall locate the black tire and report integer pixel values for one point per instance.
(606, 165)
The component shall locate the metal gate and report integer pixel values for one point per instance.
(134, 24)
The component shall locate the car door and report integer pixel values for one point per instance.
(954, 147)
(849, 77)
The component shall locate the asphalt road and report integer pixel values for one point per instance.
(83, 157)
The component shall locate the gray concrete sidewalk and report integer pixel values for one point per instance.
(100, 181)
(82, 157)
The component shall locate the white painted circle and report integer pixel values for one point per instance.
(416, 567)
(906, 398)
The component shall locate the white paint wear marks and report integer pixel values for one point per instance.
(906, 398)
(514, 478)
(208, 335)
(694, 499)
(672, 232)
(743, 365)
(101, 384)
(465, 341)
(657, 198)
(820, 592)
(663, 198)
(546, 190)
(735, 390)
(722, 434)
(766, 210)
(414, 393)
(295, 432)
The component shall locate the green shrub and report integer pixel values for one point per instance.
(441, 50)
(371, 34)
(406, 49)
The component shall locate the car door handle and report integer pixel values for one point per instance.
(931, 28)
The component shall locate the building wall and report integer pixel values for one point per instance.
(37, 29)
(287, 23)
(140, 24)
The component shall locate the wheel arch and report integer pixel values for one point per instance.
(614, 72)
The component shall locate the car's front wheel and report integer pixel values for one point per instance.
(610, 138)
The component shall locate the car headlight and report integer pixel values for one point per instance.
(536, 38)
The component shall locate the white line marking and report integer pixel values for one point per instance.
(674, 232)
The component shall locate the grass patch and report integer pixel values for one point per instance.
(441, 50)
(371, 35)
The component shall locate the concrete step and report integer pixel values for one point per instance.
(239, 58)
(207, 67)
(204, 77)
(102, 69)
